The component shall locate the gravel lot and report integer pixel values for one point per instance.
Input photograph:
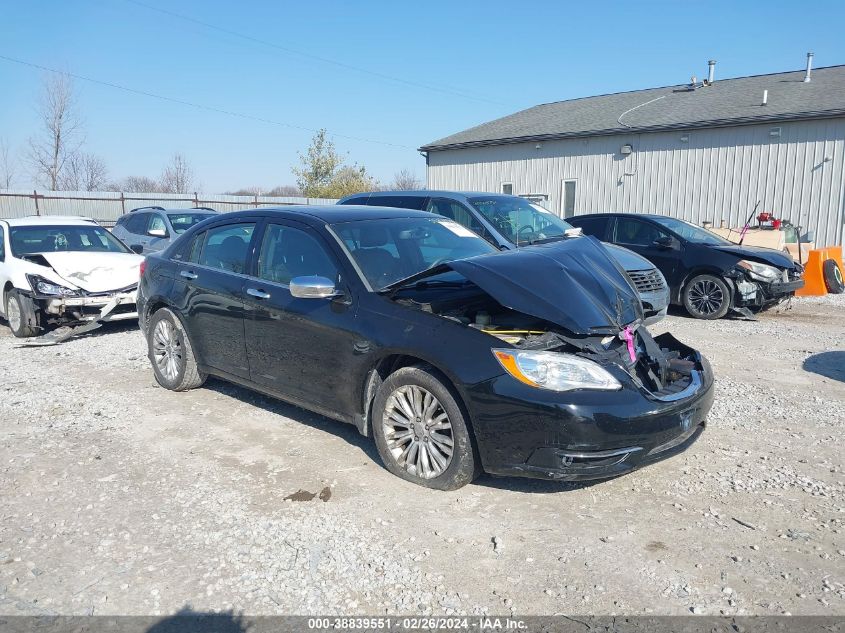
(118, 497)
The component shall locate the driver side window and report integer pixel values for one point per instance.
(287, 252)
(636, 232)
(456, 211)
(157, 223)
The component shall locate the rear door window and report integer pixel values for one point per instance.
(356, 200)
(2, 245)
(137, 223)
(597, 227)
(400, 202)
(226, 247)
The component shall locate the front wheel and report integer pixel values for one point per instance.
(707, 297)
(20, 314)
(171, 354)
(420, 431)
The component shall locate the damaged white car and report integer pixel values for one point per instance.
(64, 271)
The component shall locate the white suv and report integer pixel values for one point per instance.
(64, 270)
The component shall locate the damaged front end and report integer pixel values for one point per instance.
(586, 391)
(759, 285)
(74, 310)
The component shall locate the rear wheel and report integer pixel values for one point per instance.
(420, 431)
(21, 315)
(707, 297)
(833, 277)
(171, 354)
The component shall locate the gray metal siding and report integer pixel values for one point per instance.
(717, 175)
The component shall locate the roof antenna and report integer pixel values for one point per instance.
(809, 70)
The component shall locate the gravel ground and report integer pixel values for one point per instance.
(118, 497)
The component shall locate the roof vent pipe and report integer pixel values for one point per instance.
(765, 97)
(809, 68)
(711, 75)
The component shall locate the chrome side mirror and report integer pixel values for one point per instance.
(157, 233)
(312, 287)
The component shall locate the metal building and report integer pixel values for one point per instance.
(701, 151)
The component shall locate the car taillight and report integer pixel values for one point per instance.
(142, 267)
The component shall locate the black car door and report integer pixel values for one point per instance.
(652, 242)
(302, 348)
(211, 289)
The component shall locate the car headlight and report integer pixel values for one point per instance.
(46, 287)
(555, 371)
(760, 272)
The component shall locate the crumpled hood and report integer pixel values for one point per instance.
(766, 255)
(572, 283)
(96, 272)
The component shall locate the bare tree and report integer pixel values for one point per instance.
(84, 172)
(406, 180)
(8, 170)
(135, 184)
(177, 177)
(61, 127)
(285, 191)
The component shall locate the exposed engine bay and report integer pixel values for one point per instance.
(662, 365)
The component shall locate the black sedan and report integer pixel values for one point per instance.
(707, 274)
(452, 355)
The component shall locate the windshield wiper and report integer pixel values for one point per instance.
(546, 240)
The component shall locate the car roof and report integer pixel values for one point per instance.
(424, 193)
(153, 208)
(331, 214)
(51, 220)
(619, 214)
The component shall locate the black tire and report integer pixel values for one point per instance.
(707, 297)
(170, 353)
(833, 277)
(461, 467)
(23, 320)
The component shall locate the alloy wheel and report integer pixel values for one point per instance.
(706, 297)
(13, 313)
(167, 349)
(418, 431)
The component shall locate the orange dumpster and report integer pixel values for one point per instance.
(813, 277)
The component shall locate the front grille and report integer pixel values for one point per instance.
(647, 280)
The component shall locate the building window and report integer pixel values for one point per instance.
(568, 199)
(507, 188)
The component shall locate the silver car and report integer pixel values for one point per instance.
(509, 222)
(151, 229)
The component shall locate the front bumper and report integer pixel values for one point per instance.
(89, 307)
(756, 293)
(584, 435)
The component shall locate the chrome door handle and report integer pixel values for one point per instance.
(258, 294)
(187, 274)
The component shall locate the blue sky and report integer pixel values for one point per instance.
(433, 68)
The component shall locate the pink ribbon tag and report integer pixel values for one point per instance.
(629, 341)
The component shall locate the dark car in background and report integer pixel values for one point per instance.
(509, 222)
(150, 229)
(454, 356)
(707, 274)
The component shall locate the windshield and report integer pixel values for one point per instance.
(387, 250)
(26, 240)
(691, 232)
(519, 221)
(181, 222)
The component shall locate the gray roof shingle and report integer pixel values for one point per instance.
(725, 102)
